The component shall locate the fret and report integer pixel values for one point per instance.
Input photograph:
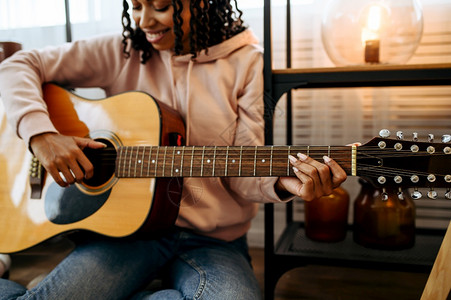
(142, 161)
(270, 163)
(156, 161)
(149, 161)
(173, 158)
(288, 161)
(164, 159)
(214, 161)
(202, 162)
(136, 162)
(226, 161)
(181, 161)
(130, 161)
(328, 151)
(241, 159)
(192, 160)
(255, 160)
(308, 150)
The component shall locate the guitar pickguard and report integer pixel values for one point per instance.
(69, 205)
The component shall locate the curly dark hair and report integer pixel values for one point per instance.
(212, 22)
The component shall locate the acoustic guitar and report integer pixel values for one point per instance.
(138, 176)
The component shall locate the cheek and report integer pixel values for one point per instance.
(166, 19)
(136, 18)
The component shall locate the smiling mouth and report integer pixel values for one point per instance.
(156, 36)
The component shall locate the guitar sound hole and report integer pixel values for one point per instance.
(103, 161)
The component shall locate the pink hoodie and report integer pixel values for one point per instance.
(219, 96)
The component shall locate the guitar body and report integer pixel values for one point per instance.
(111, 206)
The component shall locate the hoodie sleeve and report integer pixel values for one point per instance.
(86, 63)
(250, 130)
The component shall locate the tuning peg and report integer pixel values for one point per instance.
(446, 138)
(416, 194)
(415, 136)
(432, 194)
(400, 194)
(430, 138)
(399, 135)
(448, 194)
(384, 133)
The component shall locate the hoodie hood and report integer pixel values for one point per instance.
(223, 49)
(185, 85)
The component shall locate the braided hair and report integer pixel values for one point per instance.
(212, 22)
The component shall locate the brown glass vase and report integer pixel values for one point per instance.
(384, 218)
(326, 218)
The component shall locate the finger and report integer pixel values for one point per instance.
(305, 165)
(322, 172)
(304, 187)
(338, 174)
(76, 172)
(308, 176)
(86, 165)
(57, 177)
(66, 175)
(319, 172)
(88, 143)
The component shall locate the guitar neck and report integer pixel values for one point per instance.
(224, 161)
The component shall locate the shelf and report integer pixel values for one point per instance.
(294, 244)
(360, 76)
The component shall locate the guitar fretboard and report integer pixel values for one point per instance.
(224, 161)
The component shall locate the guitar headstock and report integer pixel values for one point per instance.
(387, 162)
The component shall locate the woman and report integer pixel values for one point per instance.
(198, 58)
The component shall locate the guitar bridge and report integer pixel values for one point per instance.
(37, 174)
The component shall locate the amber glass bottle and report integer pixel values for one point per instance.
(326, 218)
(384, 219)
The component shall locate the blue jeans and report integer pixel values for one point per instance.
(193, 267)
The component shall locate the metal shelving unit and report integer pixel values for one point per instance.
(293, 249)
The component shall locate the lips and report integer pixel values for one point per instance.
(155, 36)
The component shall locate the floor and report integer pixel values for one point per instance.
(311, 282)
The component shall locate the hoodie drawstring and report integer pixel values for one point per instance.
(188, 76)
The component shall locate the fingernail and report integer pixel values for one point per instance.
(295, 169)
(302, 156)
(292, 159)
(326, 159)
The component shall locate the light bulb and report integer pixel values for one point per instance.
(358, 32)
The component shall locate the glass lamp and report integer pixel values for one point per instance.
(360, 32)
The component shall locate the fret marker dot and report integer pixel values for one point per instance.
(233, 161)
(208, 161)
(153, 161)
(178, 152)
(263, 160)
(176, 170)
